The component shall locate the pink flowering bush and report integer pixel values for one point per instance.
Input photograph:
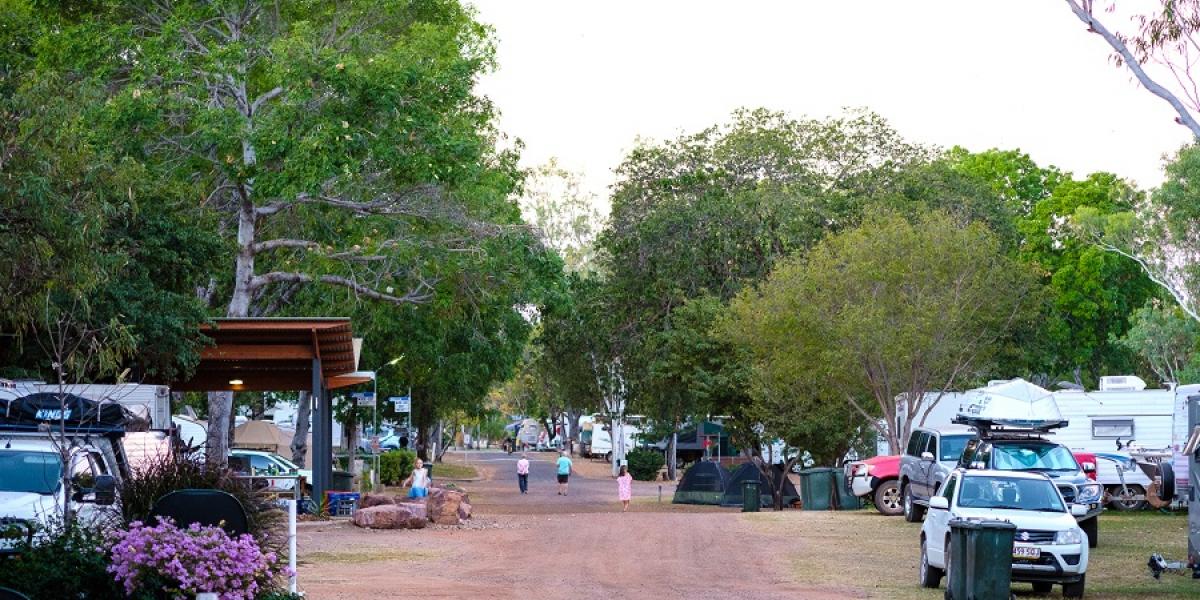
(188, 561)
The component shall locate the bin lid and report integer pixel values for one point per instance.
(980, 524)
(816, 470)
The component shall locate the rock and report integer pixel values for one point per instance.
(464, 510)
(391, 516)
(443, 505)
(370, 500)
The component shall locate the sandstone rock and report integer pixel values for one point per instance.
(464, 510)
(442, 505)
(370, 500)
(392, 516)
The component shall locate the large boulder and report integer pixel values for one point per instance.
(442, 505)
(464, 510)
(370, 500)
(418, 513)
(391, 516)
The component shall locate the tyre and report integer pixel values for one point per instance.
(1042, 587)
(1123, 501)
(1074, 590)
(912, 511)
(1166, 491)
(1091, 528)
(608, 457)
(931, 576)
(887, 498)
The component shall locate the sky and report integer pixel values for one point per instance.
(582, 81)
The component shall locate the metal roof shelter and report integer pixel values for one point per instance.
(283, 354)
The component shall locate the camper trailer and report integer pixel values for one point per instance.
(596, 435)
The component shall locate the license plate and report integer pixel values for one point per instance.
(1027, 552)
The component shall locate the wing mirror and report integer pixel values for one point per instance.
(1089, 466)
(927, 456)
(1079, 510)
(939, 502)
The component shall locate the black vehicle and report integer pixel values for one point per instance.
(1006, 450)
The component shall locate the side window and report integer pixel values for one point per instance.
(914, 442)
(948, 489)
(260, 465)
(931, 447)
(83, 472)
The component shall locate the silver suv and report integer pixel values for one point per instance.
(930, 457)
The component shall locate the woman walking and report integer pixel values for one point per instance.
(624, 488)
(419, 480)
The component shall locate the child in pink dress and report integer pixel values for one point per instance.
(624, 488)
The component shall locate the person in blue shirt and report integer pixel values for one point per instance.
(565, 468)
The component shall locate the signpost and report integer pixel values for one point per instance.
(365, 399)
(403, 404)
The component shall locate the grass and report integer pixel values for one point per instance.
(449, 470)
(880, 554)
(365, 555)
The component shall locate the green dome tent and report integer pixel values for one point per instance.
(704, 483)
(766, 486)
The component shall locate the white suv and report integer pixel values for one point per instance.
(1048, 547)
(263, 464)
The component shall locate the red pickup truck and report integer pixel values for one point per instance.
(878, 479)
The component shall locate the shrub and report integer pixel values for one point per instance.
(644, 464)
(165, 558)
(180, 471)
(396, 465)
(64, 563)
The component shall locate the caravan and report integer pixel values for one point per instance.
(595, 435)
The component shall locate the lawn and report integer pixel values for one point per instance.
(879, 555)
(454, 470)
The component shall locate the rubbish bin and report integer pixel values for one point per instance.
(751, 500)
(846, 500)
(342, 481)
(816, 488)
(979, 565)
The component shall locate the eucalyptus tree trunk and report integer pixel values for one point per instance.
(300, 439)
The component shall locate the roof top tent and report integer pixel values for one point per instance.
(766, 486)
(704, 483)
(1010, 405)
(151, 403)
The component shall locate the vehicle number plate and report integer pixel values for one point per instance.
(1027, 552)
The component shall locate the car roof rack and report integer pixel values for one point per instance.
(1010, 428)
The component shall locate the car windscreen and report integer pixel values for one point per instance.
(1032, 457)
(952, 446)
(1009, 493)
(29, 472)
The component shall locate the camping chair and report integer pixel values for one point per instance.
(206, 507)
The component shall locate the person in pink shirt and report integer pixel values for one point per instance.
(624, 488)
(523, 473)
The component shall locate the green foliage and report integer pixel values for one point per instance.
(395, 466)
(1167, 339)
(887, 308)
(62, 562)
(644, 464)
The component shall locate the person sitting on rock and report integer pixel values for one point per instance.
(419, 480)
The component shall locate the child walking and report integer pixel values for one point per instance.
(523, 473)
(624, 488)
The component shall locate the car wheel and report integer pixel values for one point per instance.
(1091, 528)
(931, 576)
(1042, 587)
(912, 511)
(1074, 590)
(1123, 500)
(887, 498)
(608, 457)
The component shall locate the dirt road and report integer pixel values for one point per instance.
(548, 546)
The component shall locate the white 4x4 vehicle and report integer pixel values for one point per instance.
(1048, 548)
(266, 464)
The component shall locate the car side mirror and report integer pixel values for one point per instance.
(1089, 467)
(1079, 510)
(927, 456)
(105, 490)
(939, 503)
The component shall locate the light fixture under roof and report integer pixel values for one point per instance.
(235, 382)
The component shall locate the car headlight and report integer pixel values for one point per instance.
(1089, 494)
(1070, 536)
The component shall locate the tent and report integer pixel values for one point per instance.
(766, 486)
(703, 483)
(261, 435)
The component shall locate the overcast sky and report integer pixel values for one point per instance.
(582, 80)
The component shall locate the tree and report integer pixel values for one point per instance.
(883, 312)
(1166, 339)
(1159, 232)
(1166, 37)
(564, 215)
(337, 143)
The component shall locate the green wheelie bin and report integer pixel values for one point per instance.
(751, 500)
(816, 488)
(979, 566)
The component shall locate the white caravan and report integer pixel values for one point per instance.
(596, 435)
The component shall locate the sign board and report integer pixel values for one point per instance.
(403, 404)
(365, 398)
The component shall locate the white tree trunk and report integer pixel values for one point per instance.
(300, 438)
(220, 411)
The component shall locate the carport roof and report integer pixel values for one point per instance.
(273, 354)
